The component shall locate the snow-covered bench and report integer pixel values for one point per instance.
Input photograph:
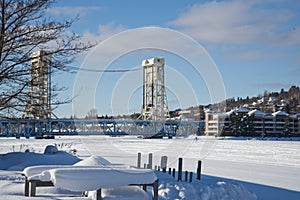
(32, 174)
(82, 178)
(31, 181)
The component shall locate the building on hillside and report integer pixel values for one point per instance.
(214, 123)
(242, 122)
(297, 120)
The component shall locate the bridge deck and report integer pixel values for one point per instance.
(27, 128)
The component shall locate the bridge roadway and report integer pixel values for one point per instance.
(27, 127)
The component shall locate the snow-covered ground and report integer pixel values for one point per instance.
(233, 168)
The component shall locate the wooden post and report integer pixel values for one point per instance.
(32, 188)
(170, 170)
(179, 169)
(191, 176)
(150, 161)
(145, 188)
(158, 168)
(186, 176)
(155, 190)
(139, 160)
(98, 195)
(164, 163)
(173, 174)
(199, 170)
(155, 167)
(26, 189)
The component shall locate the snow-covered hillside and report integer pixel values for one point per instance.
(233, 168)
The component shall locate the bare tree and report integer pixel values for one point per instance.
(25, 29)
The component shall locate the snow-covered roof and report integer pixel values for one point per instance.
(256, 113)
(271, 99)
(239, 110)
(231, 112)
(280, 113)
(242, 110)
(261, 100)
(208, 110)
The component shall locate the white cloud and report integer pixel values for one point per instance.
(108, 30)
(71, 11)
(104, 31)
(111, 30)
(238, 22)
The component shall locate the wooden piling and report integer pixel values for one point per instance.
(199, 170)
(191, 177)
(164, 163)
(139, 159)
(186, 175)
(150, 161)
(98, 195)
(179, 169)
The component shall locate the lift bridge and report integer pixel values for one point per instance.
(113, 127)
(153, 121)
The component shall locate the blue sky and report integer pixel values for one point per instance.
(254, 44)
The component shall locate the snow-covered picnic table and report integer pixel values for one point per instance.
(89, 178)
(32, 181)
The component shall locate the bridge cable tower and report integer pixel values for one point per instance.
(155, 106)
(38, 102)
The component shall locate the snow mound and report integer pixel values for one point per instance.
(125, 193)
(18, 161)
(213, 189)
(93, 161)
(50, 149)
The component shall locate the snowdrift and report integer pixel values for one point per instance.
(17, 161)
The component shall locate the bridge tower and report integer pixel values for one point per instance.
(155, 105)
(38, 98)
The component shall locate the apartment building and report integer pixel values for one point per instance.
(244, 122)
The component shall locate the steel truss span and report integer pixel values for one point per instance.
(29, 127)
